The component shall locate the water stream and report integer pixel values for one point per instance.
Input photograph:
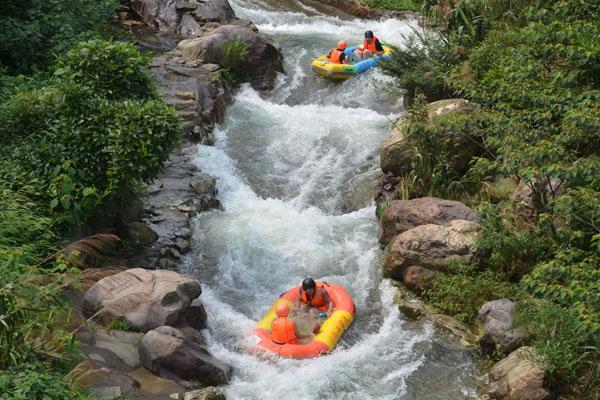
(283, 161)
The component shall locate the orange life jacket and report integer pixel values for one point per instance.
(334, 56)
(282, 331)
(317, 300)
(371, 47)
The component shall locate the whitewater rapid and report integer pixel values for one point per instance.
(283, 161)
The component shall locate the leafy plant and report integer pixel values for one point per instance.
(411, 5)
(118, 324)
(233, 61)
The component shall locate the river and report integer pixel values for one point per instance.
(283, 161)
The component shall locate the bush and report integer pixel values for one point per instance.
(32, 32)
(461, 293)
(36, 381)
(412, 5)
(114, 70)
(235, 53)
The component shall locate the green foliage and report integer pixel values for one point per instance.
(84, 150)
(461, 293)
(569, 348)
(36, 381)
(118, 324)
(32, 32)
(115, 70)
(411, 5)
(235, 54)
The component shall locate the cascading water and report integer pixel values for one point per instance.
(283, 161)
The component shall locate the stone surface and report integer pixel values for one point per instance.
(214, 10)
(499, 331)
(142, 298)
(520, 376)
(402, 215)
(115, 348)
(170, 354)
(209, 393)
(416, 278)
(154, 387)
(430, 246)
(204, 184)
(396, 156)
(101, 381)
(263, 62)
(140, 234)
(360, 188)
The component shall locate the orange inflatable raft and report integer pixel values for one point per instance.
(329, 334)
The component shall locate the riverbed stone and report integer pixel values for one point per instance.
(520, 376)
(263, 62)
(396, 155)
(102, 382)
(143, 299)
(140, 234)
(209, 393)
(500, 334)
(204, 184)
(116, 348)
(402, 215)
(430, 246)
(416, 278)
(169, 353)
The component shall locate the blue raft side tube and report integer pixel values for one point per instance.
(364, 65)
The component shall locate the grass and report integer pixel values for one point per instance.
(409, 5)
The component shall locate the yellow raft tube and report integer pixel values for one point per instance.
(322, 66)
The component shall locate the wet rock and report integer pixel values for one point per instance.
(402, 215)
(520, 376)
(204, 184)
(170, 354)
(359, 190)
(140, 234)
(102, 382)
(154, 387)
(430, 246)
(143, 299)
(263, 62)
(499, 331)
(396, 155)
(209, 393)
(214, 10)
(416, 278)
(118, 349)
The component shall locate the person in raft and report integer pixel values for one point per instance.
(283, 329)
(337, 55)
(371, 46)
(314, 298)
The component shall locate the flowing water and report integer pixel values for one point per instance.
(284, 161)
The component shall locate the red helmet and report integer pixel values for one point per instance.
(282, 310)
(342, 44)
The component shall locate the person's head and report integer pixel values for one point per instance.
(282, 310)
(309, 285)
(342, 45)
(369, 36)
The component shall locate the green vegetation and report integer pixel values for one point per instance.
(235, 53)
(533, 67)
(410, 5)
(118, 324)
(78, 134)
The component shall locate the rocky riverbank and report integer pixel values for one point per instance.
(424, 237)
(139, 328)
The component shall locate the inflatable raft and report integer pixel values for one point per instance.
(329, 334)
(322, 66)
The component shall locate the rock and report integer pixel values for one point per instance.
(520, 376)
(170, 354)
(396, 155)
(263, 62)
(204, 184)
(359, 190)
(397, 150)
(415, 277)
(188, 27)
(144, 299)
(152, 386)
(549, 189)
(161, 15)
(102, 382)
(118, 349)
(385, 189)
(402, 215)
(499, 331)
(209, 393)
(214, 10)
(140, 234)
(430, 246)
(92, 275)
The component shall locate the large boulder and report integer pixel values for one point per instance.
(430, 246)
(116, 348)
(171, 354)
(397, 150)
(182, 18)
(145, 299)
(520, 376)
(402, 215)
(499, 334)
(102, 382)
(263, 61)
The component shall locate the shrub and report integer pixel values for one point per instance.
(461, 293)
(114, 70)
(413, 5)
(36, 381)
(235, 53)
(32, 32)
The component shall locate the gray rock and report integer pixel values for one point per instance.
(209, 393)
(204, 184)
(430, 246)
(117, 348)
(499, 331)
(144, 299)
(402, 215)
(101, 381)
(188, 27)
(520, 376)
(214, 10)
(263, 62)
(170, 354)
(415, 277)
(140, 234)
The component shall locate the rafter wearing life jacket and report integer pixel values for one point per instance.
(372, 47)
(282, 329)
(317, 299)
(337, 55)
